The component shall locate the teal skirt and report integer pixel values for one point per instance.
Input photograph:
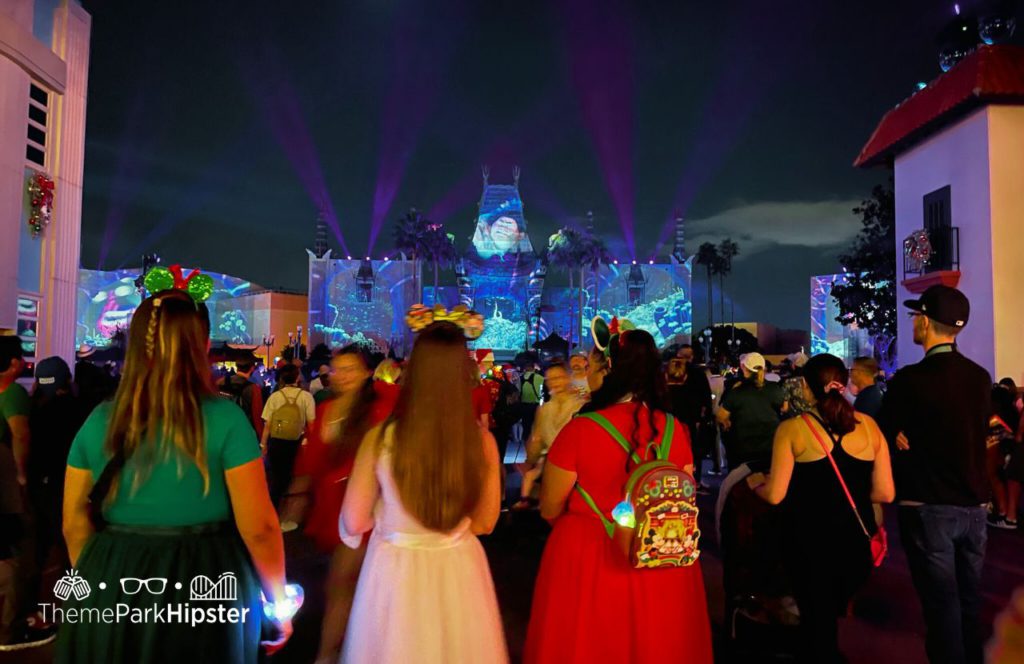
(155, 594)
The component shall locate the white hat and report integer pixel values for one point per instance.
(753, 362)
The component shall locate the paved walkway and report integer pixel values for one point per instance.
(886, 625)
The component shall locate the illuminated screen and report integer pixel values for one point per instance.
(827, 334)
(655, 298)
(107, 300)
(354, 301)
(500, 232)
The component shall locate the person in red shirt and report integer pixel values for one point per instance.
(590, 604)
(322, 471)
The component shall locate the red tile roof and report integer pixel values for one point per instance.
(989, 75)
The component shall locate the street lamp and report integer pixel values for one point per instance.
(268, 342)
(706, 342)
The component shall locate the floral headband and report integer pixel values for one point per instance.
(420, 316)
(198, 286)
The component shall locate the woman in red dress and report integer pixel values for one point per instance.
(325, 463)
(590, 604)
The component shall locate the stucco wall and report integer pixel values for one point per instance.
(1006, 151)
(957, 156)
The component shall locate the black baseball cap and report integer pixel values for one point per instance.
(52, 374)
(943, 304)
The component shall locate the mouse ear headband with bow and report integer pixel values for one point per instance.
(199, 286)
(420, 316)
(607, 335)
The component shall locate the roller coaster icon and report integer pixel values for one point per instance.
(224, 589)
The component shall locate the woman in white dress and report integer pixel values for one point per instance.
(427, 483)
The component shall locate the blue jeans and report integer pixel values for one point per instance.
(945, 547)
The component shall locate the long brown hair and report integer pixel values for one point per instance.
(438, 458)
(165, 379)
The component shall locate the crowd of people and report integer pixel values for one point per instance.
(394, 469)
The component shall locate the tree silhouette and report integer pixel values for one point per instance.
(566, 250)
(727, 249)
(592, 252)
(411, 237)
(707, 255)
(439, 249)
(868, 299)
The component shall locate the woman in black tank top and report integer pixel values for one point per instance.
(827, 553)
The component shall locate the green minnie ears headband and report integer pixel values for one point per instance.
(198, 286)
(606, 335)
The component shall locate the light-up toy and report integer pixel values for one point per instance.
(287, 607)
(623, 514)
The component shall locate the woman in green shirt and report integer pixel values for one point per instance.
(166, 511)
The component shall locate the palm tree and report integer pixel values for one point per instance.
(439, 249)
(707, 255)
(593, 252)
(411, 239)
(565, 251)
(727, 249)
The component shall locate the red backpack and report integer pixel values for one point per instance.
(656, 523)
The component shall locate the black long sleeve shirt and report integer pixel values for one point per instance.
(942, 404)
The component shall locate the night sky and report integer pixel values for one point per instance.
(216, 129)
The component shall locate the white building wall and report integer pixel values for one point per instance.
(957, 156)
(62, 246)
(15, 20)
(1006, 152)
(57, 60)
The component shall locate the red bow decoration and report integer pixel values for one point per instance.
(181, 282)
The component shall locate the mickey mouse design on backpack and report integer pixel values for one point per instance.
(656, 522)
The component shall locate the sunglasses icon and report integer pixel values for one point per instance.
(132, 586)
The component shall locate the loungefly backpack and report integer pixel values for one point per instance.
(656, 523)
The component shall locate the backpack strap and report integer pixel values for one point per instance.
(610, 429)
(666, 438)
(609, 526)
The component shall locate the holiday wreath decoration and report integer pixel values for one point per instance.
(40, 191)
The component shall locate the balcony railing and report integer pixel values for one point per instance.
(944, 254)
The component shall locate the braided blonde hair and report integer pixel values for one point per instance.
(158, 406)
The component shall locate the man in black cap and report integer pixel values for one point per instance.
(935, 414)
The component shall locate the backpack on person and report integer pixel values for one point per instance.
(506, 409)
(530, 379)
(287, 421)
(656, 523)
(233, 392)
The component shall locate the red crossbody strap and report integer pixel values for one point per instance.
(807, 420)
